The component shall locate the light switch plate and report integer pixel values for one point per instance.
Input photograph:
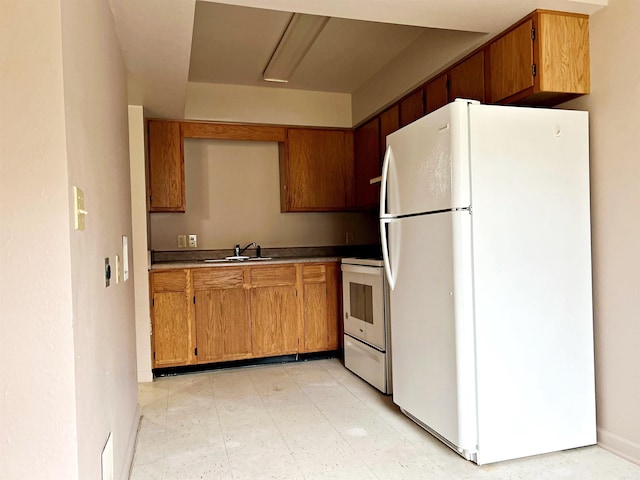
(79, 211)
(193, 241)
(182, 241)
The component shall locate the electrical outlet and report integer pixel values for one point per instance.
(182, 241)
(193, 241)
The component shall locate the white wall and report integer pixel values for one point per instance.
(232, 188)
(140, 241)
(238, 103)
(68, 346)
(429, 53)
(37, 404)
(615, 185)
(233, 196)
(98, 162)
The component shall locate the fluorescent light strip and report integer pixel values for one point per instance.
(296, 41)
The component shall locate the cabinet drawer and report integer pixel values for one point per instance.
(171, 281)
(314, 273)
(205, 278)
(273, 276)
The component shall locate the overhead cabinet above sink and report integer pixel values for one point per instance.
(316, 170)
(316, 164)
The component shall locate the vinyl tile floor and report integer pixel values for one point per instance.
(314, 420)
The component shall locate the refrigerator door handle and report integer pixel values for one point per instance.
(383, 185)
(385, 251)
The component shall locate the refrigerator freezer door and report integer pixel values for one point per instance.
(427, 168)
(532, 269)
(432, 324)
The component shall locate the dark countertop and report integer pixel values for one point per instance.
(161, 260)
(235, 263)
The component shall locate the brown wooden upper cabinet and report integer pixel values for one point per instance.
(389, 123)
(466, 79)
(166, 167)
(412, 107)
(316, 170)
(436, 93)
(367, 163)
(542, 60)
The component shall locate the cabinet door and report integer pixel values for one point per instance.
(166, 167)
(223, 325)
(511, 60)
(319, 166)
(412, 107)
(436, 93)
(275, 311)
(274, 315)
(466, 80)
(171, 332)
(389, 123)
(320, 306)
(563, 58)
(367, 164)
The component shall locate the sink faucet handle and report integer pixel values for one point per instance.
(236, 250)
(241, 250)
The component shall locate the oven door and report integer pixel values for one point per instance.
(363, 301)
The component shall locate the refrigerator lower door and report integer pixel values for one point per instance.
(432, 325)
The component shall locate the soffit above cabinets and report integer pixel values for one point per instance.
(166, 44)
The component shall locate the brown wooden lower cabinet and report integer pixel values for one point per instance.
(223, 325)
(206, 315)
(274, 315)
(320, 306)
(171, 336)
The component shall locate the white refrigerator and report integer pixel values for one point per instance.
(485, 229)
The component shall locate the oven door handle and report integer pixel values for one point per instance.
(385, 251)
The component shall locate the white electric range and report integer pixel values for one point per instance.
(367, 339)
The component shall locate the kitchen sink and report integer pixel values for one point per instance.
(236, 259)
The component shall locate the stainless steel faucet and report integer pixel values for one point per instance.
(239, 251)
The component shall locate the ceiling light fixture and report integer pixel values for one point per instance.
(296, 41)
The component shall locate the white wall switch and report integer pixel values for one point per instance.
(125, 258)
(182, 241)
(193, 241)
(79, 211)
(118, 268)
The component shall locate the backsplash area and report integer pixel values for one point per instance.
(369, 251)
(233, 197)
